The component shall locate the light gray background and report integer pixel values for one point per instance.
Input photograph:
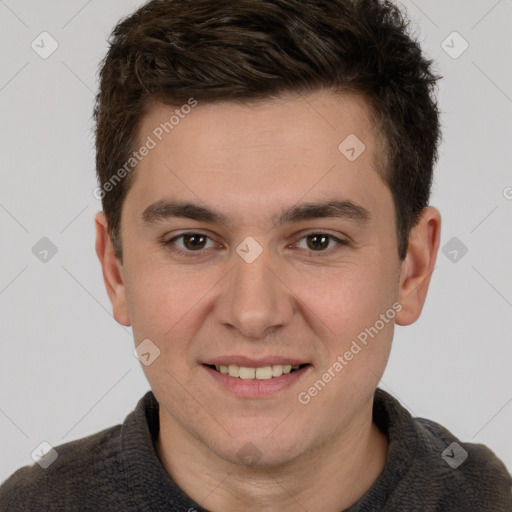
(67, 369)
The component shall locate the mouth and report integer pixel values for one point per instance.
(267, 372)
(256, 377)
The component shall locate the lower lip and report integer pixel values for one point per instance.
(254, 388)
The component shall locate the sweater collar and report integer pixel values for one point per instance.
(397, 424)
(153, 489)
(150, 485)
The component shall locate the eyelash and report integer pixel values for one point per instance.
(168, 244)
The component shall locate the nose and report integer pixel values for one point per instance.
(255, 300)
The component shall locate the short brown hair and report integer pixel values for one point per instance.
(213, 50)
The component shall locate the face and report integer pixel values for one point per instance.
(233, 261)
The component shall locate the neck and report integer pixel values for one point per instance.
(331, 477)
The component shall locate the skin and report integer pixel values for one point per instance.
(295, 300)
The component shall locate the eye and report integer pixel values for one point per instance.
(188, 242)
(320, 242)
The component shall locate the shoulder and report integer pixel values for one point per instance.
(466, 476)
(429, 468)
(81, 467)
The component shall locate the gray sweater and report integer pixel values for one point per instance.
(118, 469)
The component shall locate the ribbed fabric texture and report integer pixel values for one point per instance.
(118, 469)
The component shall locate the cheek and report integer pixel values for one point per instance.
(160, 298)
(358, 340)
(349, 299)
(357, 343)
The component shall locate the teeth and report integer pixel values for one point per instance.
(247, 373)
(277, 370)
(264, 373)
(261, 373)
(234, 370)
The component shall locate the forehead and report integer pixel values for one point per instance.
(259, 153)
(320, 120)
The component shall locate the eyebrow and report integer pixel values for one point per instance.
(167, 209)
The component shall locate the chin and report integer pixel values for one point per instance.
(252, 456)
(266, 449)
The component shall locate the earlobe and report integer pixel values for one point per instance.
(112, 271)
(418, 265)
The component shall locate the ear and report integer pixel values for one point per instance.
(418, 265)
(112, 270)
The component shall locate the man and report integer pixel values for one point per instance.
(265, 170)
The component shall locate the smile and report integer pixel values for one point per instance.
(252, 377)
(258, 373)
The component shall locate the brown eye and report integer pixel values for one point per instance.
(320, 242)
(317, 241)
(194, 241)
(189, 243)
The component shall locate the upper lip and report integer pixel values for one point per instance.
(250, 362)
